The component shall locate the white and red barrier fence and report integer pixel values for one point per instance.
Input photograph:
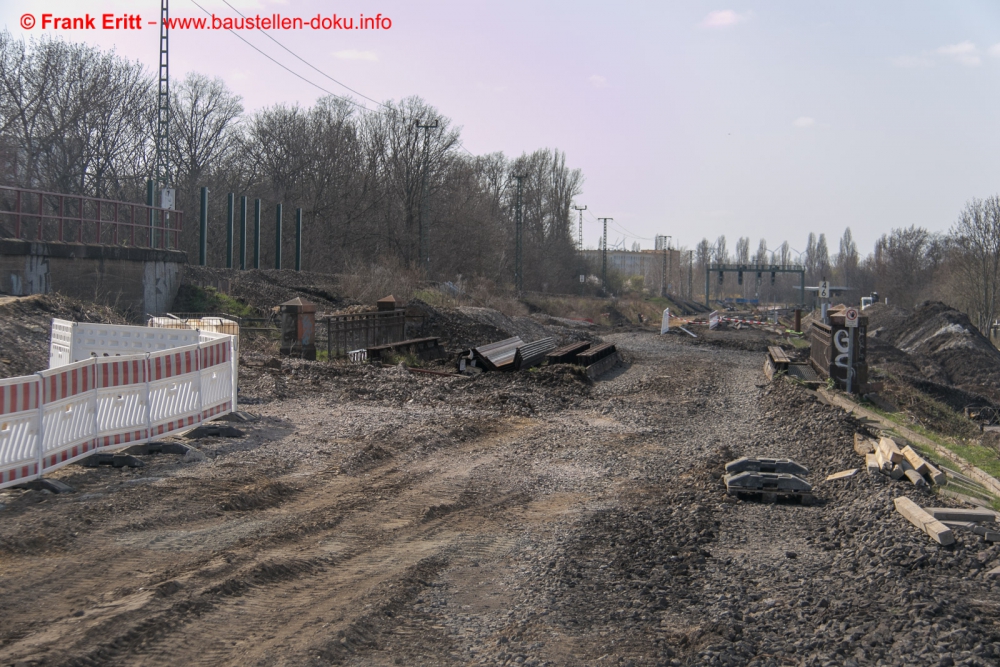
(110, 387)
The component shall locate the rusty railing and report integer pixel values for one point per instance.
(346, 333)
(34, 215)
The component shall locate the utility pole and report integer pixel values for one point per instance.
(518, 239)
(663, 243)
(604, 256)
(579, 242)
(690, 274)
(161, 165)
(423, 259)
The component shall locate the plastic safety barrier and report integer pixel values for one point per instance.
(112, 397)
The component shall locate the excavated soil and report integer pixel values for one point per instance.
(377, 517)
(27, 325)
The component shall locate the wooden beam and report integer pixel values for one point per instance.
(889, 450)
(862, 445)
(912, 475)
(913, 513)
(937, 476)
(915, 460)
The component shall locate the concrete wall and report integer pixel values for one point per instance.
(137, 279)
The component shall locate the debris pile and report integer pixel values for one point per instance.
(885, 457)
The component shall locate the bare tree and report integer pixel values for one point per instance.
(847, 258)
(976, 239)
(761, 257)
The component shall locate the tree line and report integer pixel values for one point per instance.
(78, 120)
(907, 265)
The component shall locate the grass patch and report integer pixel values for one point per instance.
(798, 342)
(194, 299)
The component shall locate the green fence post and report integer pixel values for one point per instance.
(256, 233)
(298, 239)
(243, 233)
(277, 236)
(203, 241)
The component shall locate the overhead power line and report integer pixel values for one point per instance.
(300, 58)
(306, 62)
(290, 71)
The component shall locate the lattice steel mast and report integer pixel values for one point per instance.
(162, 174)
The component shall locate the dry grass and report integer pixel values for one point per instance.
(367, 282)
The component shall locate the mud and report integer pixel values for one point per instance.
(375, 517)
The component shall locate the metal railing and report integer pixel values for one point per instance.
(35, 215)
(347, 333)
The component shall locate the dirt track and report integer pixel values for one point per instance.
(373, 517)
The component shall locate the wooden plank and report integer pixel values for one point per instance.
(961, 514)
(897, 472)
(889, 450)
(778, 355)
(913, 513)
(871, 464)
(937, 476)
(911, 474)
(883, 465)
(915, 460)
(862, 445)
(843, 474)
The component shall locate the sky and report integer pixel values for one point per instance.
(690, 119)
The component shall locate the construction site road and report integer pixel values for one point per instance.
(376, 517)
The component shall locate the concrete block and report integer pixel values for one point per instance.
(753, 464)
(862, 445)
(961, 514)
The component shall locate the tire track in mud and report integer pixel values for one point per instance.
(283, 562)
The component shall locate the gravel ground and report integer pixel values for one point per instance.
(375, 517)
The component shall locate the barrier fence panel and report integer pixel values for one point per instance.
(174, 391)
(122, 400)
(108, 399)
(19, 401)
(69, 413)
(216, 378)
(80, 340)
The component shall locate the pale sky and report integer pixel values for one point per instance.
(767, 119)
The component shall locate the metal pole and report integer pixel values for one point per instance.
(708, 273)
(298, 239)
(256, 233)
(203, 238)
(518, 240)
(850, 357)
(243, 233)
(802, 287)
(277, 236)
(230, 212)
(690, 274)
(604, 256)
